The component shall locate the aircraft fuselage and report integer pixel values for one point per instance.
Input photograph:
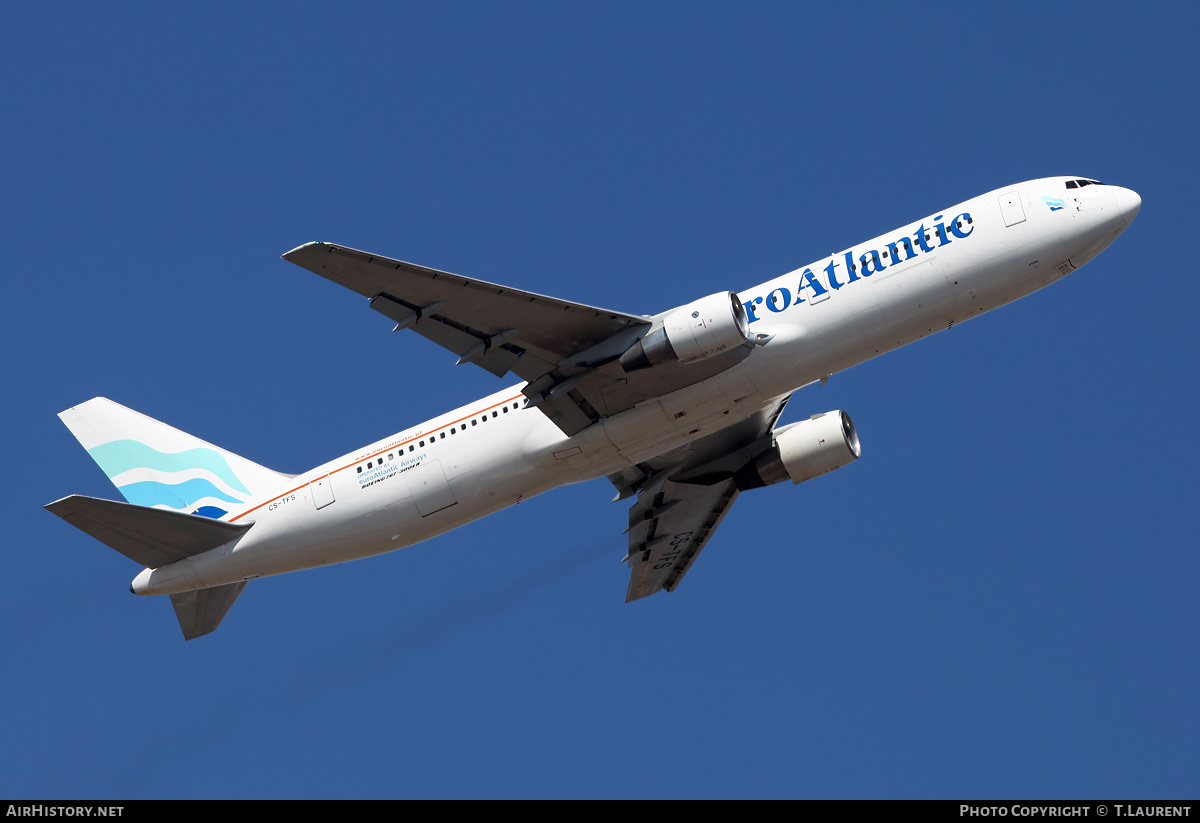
(823, 318)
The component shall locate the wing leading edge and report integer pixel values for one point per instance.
(568, 353)
(543, 340)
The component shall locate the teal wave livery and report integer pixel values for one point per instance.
(121, 456)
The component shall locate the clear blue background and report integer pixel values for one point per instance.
(998, 600)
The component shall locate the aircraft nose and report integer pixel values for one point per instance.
(1129, 202)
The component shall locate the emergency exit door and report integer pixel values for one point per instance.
(1011, 208)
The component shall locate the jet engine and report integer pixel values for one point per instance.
(701, 329)
(803, 451)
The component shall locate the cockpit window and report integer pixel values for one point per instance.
(1079, 184)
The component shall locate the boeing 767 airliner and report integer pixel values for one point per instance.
(678, 410)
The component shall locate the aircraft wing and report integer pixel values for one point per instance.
(682, 498)
(151, 537)
(497, 328)
(566, 352)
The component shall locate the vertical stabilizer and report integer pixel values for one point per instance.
(153, 464)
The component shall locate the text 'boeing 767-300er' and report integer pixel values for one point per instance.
(678, 410)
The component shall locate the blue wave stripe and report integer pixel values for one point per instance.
(122, 455)
(177, 496)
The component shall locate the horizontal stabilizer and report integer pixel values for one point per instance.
(152, 537)
(200, 612)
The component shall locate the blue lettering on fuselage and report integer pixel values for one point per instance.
(869, 262)
(377, 473)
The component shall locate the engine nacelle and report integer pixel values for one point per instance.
(701, 329)
(803, 451)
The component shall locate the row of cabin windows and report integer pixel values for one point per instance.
(475, 421)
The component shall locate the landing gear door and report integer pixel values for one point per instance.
(1011, 208)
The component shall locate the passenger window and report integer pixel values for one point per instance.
(473, 422)
(442, 436)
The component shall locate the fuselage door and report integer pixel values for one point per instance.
(430, 491)
(321, 490)
(1011, 208)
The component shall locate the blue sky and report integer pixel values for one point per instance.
(998, 600)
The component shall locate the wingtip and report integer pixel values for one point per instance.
(289, 254)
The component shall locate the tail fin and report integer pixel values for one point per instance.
(153, 464)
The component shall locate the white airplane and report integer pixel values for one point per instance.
(678, 410)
